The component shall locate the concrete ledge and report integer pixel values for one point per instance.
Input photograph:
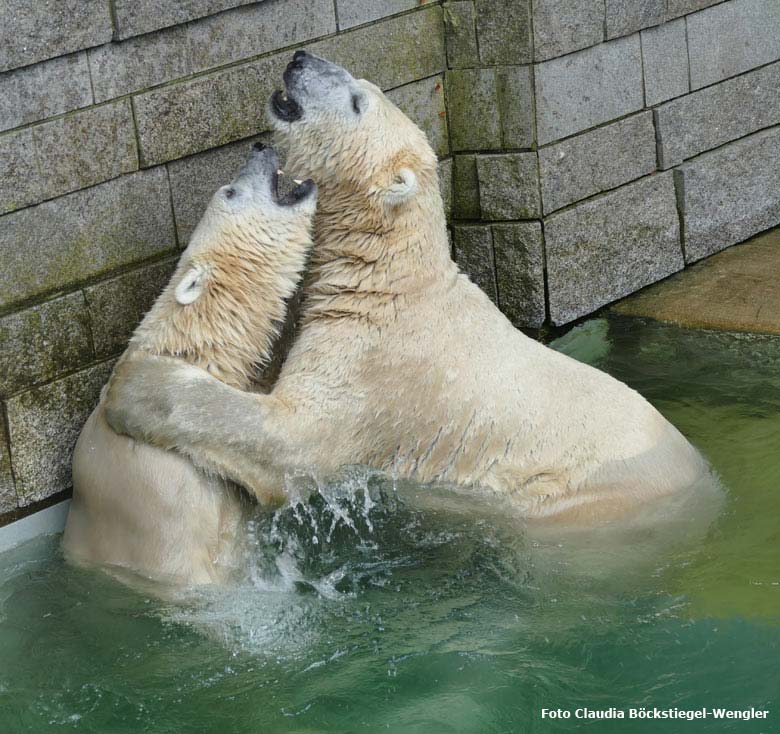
(736, 290)
(48, 521)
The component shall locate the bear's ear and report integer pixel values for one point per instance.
(403, 187)
(191, 285)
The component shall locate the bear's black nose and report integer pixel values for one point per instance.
(299, 55)
(259, 145)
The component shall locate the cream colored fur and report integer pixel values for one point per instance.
(143, 510)
(402, 363)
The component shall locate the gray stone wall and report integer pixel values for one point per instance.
(588, 147)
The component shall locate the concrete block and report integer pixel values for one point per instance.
(730, 194)
(8, 499)
(445, 185)
(587, 88)
(149, 60)
(20, 185)
(258, 29)
(508, 186)
(195, 179)
(44, 90)
(473, 249)
(43, 342)
(44, 423)
(596, 161)
(461, 33)
(606, 248)
(628, 16)
(519, 255)
(182, 119)
(84, 234)
(357, 12)
(665, 62)
(66, 154)
(392, 52)
(676, 8)
(515, 89)
(465, 188)
(472, 95)
(504, 31)
(563, 26)
(138, 63)
(730, 38)
(34, 31)
(116, 306)
(423, 103)
(710, 117)
(134, 17)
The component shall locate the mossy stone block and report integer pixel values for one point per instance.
(423, 103)
(563, 26)
(357, 12)
(44, 425)
(508, 186)
(84, 234)
(516, 106)
(44, 90)
(587, 88)
(34, 31)
(134, 17)
(445, 185)
(465, 187)
(504, 31)
(610, 246)
(392, 52)
(461, 34)
(628, 16)
(730, 194)
(597, 160)
(41, 342)
(473, 249)
(66, 154)
(519, 255)
(472, 98)
(116, 306)
(710, 117)
(8, 500)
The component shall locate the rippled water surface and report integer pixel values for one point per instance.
(379, 606)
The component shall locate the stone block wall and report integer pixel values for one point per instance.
(588, 147)
(638, 135)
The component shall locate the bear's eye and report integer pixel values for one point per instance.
(356, 103)
(230, 193)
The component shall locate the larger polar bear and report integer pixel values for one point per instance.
(402, 363)
(140, 510)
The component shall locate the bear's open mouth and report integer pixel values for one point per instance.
(285, 107)
(302, 191)
(299, 192)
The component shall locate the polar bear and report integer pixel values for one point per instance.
(137, 509)
(402, 363)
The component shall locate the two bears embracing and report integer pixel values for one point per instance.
(400, 364)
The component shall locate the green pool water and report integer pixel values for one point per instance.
(378, 606)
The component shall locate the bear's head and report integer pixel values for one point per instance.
(344, 132)
(227, 298)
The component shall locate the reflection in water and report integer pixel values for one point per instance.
(370, 604)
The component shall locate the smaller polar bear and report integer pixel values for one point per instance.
(138, 509)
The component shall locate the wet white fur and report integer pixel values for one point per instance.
(405, 365)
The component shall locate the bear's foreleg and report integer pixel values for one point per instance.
(172, 405)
